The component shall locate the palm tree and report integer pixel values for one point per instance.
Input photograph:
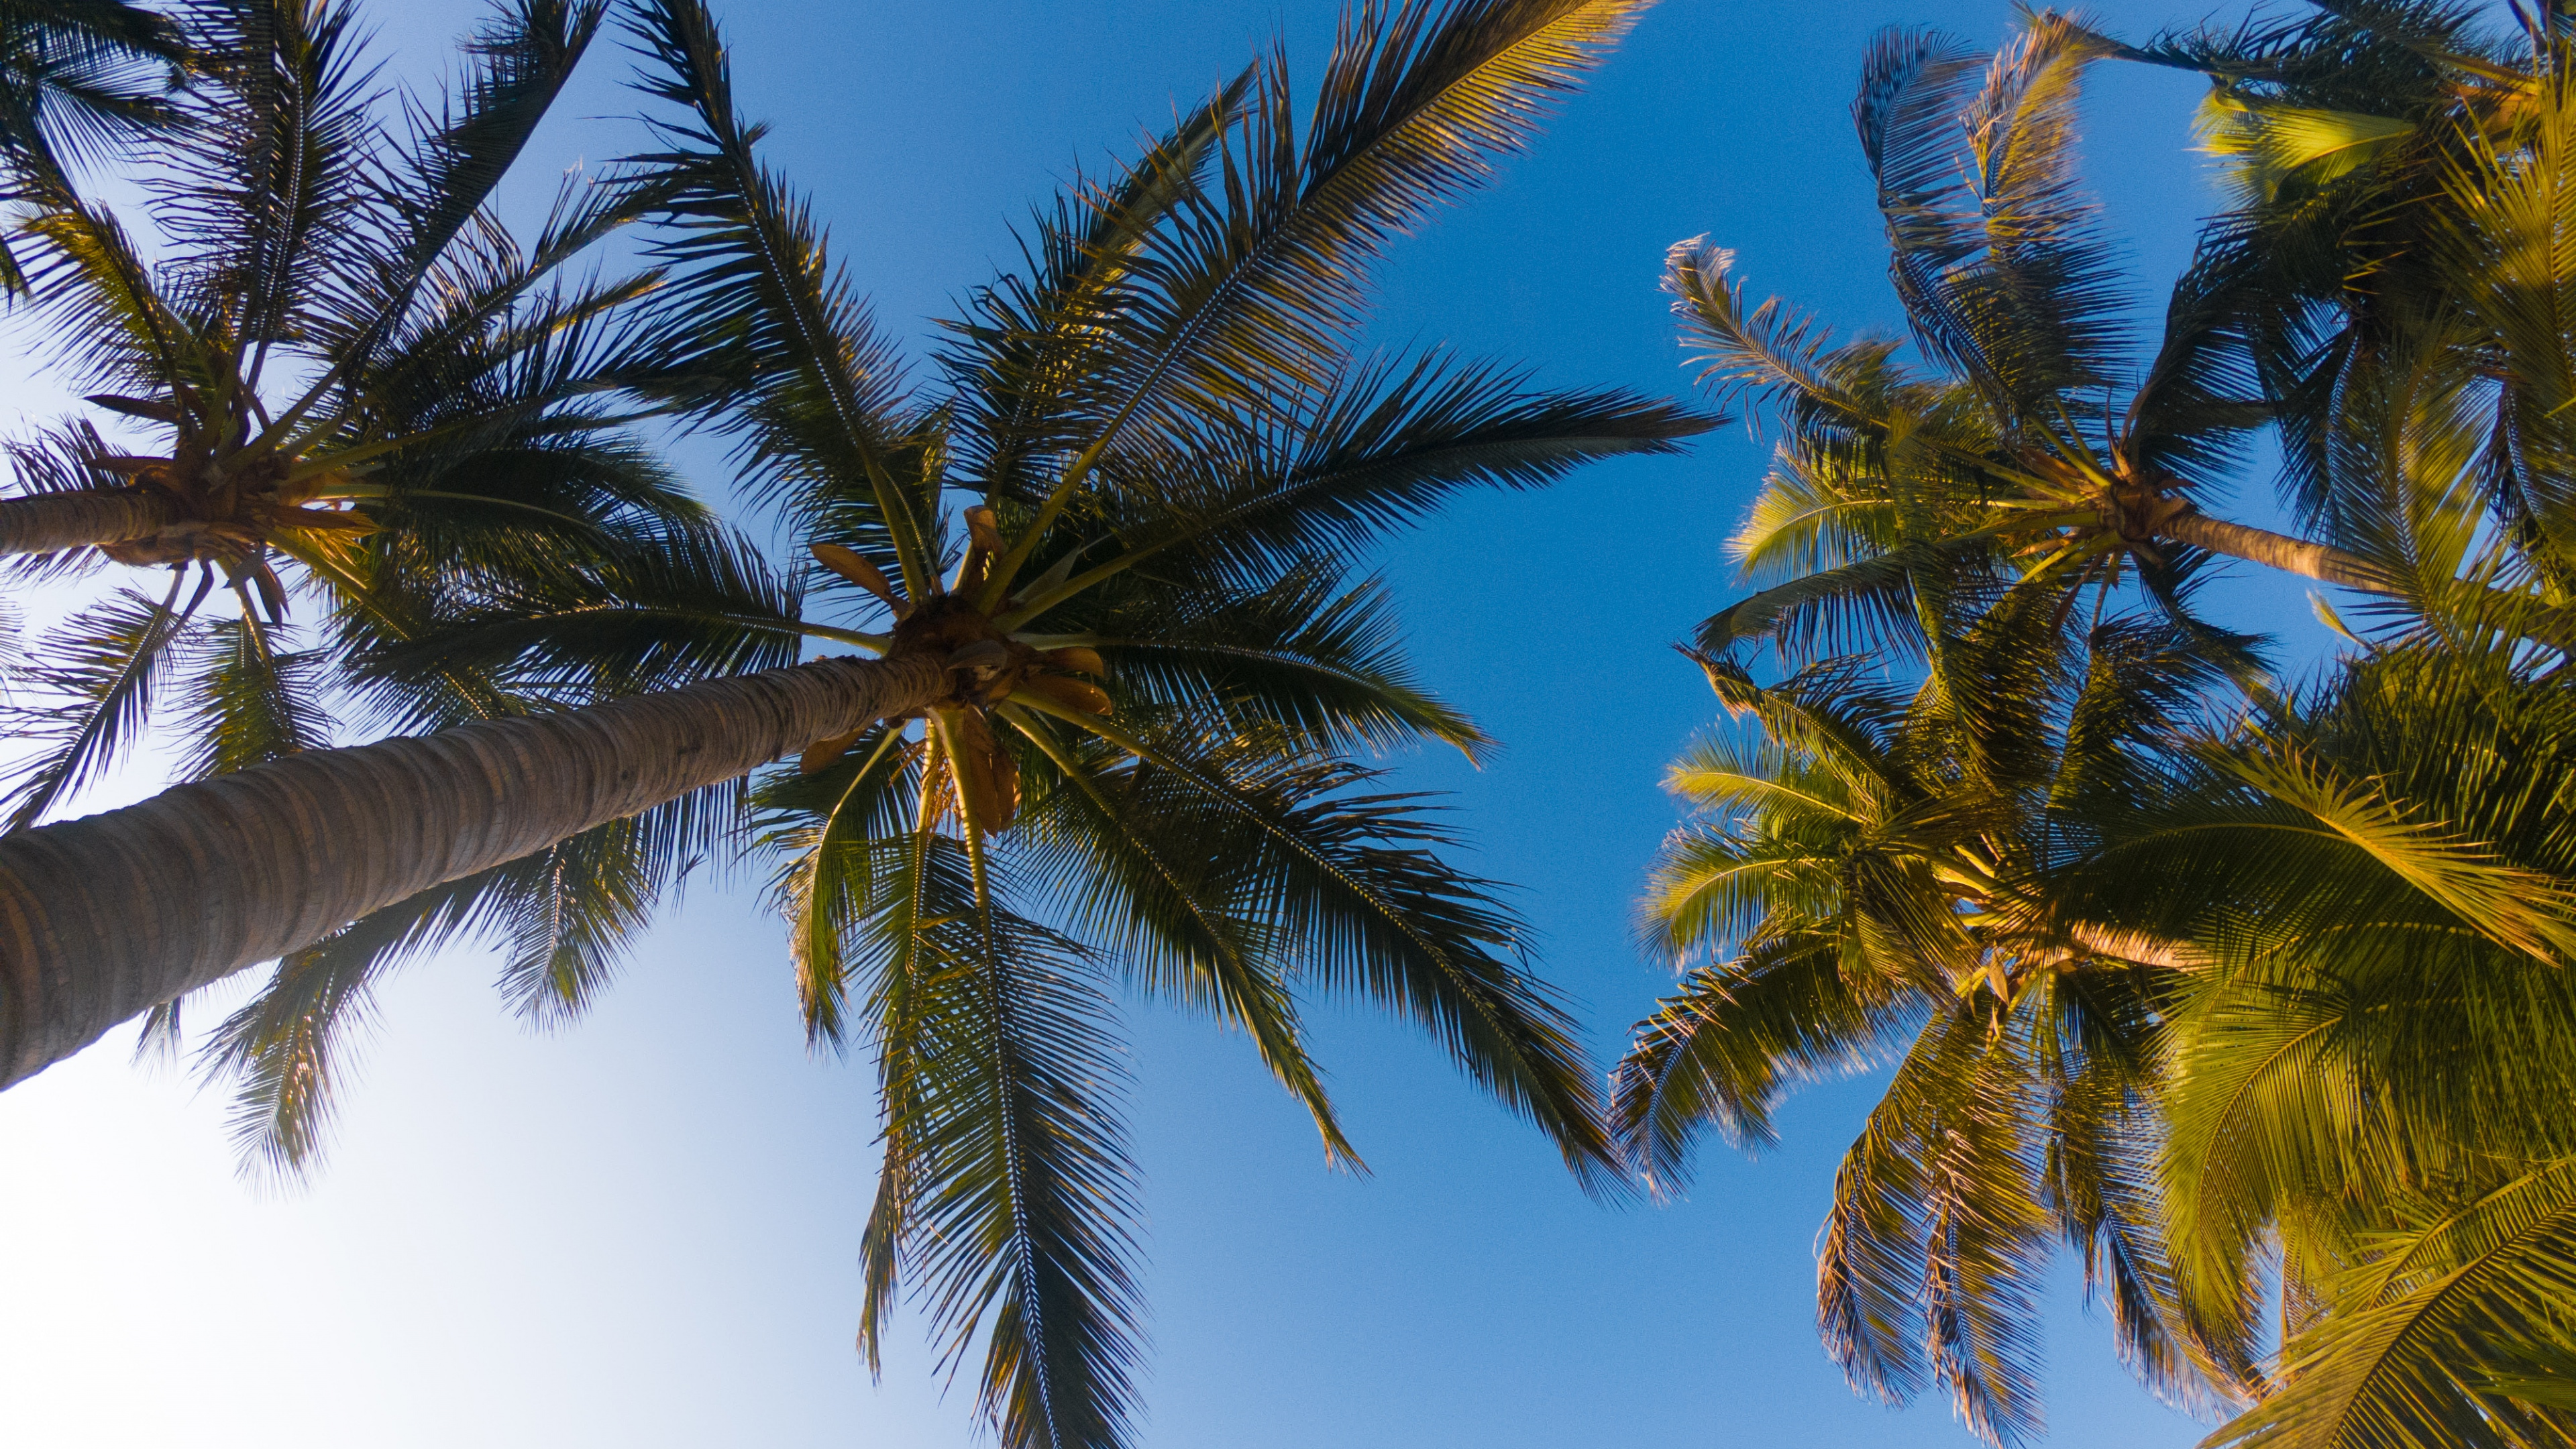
(1877, 870)
(2011, 461)
(1110, 710)
(2370, 1100)
(339, 319)
(363, 380)
(1868, 879)
(2348, 133)
(374, 399)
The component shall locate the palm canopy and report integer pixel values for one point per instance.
(2363, 1097)
(367, 390)
(370, 397)
(2352, 898)
(1868, 881)
(2390, 162)
(2030, 447)
(1125, 512)
(1873, 876)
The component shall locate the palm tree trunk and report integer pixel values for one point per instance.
(2319, 561)
(2332, 565)
(104, 917)
(51, 522)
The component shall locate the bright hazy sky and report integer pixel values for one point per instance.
(642, 1232)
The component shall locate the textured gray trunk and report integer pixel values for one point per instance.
(104, 917)
(2322, 562)
(2332, 565)
(52, 522)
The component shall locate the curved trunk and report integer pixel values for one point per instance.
(52, 522)
(2322, 562)
(104, 917)
(2328, 564)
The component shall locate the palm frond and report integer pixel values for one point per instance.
(762, 333)
(251, 699)
(286, 1051)
(1005, 1194)
(1257, 280)
(1722, 1051)
(1146, 864)
(271, 201)
(1375, 914)
(1997, 260)
(2428, 1327)
(1305, 655)
(94, 678)
(517, 64)
(1936, 1220)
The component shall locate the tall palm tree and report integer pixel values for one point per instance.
(1106, 714)
(371, 397)
(1876, 871)
(2357, 1096)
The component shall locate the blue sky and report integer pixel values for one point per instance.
(642, 1231)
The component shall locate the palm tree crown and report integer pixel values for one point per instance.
(365, 389)
(1161, 658)
(1115, 662)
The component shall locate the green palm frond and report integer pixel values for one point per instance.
(569, 912)
(2521, 909)
(1367, 911)
(1833, 610)
(99, 307)
(2004, 277)
(79, 79)
(837, 829)
(272, 190)
(252, 699)
(1005, 1194)
(517, 63)
(1024, 357)
(2194, 411)
(285, 1052)
(84, 694)
(1723, 1050)
(2442, 1318)
(2098, 1036)
(689, 604)
(1253, 295)
(1769, 350)
(1937, 1222)
(2271, 144)
(1146, 863)
(1371, 451)
(760, 330)
(1823, 505)
(563, 916)
(1305, 654)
